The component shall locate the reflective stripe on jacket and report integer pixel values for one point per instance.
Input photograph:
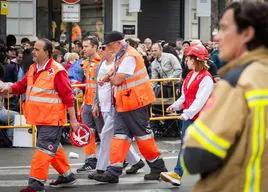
(136, 90)
(43, 106)
(228, 143)
(90, 73)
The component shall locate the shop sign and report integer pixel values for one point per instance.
(4, 8)
(129, 29)
(70, 12)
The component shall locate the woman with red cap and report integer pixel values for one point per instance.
(196, 89)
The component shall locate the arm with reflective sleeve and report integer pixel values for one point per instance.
(209, 138)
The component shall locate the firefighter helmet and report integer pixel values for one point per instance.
(81, 136)
(199, 51)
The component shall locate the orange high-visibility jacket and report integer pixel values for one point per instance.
(90, 73)
(136, 90)
(43, 106)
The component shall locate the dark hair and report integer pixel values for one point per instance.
(48, 46)
(3, 54)
(11, 40)
(171, 44)
(253, 14)
(186, 42)
(170, 49)
(93, 40)
(24, 40)
(78, 43)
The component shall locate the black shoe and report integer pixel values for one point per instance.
(152, 176)
(157, 167)
(90, 164)
(134, 168)
(93, 174)
(125, 164)
(107, 177)
(64, 181)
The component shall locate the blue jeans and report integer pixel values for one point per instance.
(4, 119)
(178, 169)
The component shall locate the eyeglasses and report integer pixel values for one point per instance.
(102, 48)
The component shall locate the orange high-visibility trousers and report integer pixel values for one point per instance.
(41, 161)
(118, 150)
(40, 165)
(148, 148)
(90, 148)
(60, 162)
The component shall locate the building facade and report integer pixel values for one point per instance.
(156, 19)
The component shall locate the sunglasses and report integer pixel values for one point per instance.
(102, 48)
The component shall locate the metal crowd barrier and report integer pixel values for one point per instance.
(8, 126)
(163, 102)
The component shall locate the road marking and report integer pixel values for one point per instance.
(81, 182)
(72, 164)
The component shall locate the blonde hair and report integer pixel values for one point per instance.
(71, 56)
(200, 65)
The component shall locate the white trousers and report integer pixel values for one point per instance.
(106, 136)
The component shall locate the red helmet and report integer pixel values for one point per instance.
(199, 51)
(81, 136)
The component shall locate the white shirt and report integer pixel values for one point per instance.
(127, 66)
(43, 68)
(105, 91)
(204, 90)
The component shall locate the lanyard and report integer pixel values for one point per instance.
(119, 55)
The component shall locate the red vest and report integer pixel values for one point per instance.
(190, 93)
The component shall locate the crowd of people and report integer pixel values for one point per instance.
(224, 115)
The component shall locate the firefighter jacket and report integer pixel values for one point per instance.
(136, 90)
(89, 67)
(228, 143)
(43, 106)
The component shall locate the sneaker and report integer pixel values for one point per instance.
(134, 168)
(90, 165)
(107, 177)
(29, 189)
(93, 174)
(171, 177)
(85, 168)
(63, 181)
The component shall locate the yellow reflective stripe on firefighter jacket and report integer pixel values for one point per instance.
(228, 143)
(43, 106)
(136, 90)
(89, 67)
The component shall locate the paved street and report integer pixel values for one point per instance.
(14, 170)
